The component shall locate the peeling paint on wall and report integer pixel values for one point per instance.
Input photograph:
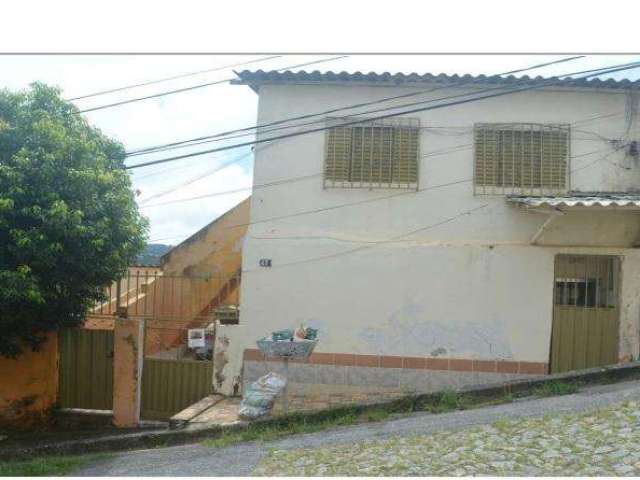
(410, 329)
(220, 360)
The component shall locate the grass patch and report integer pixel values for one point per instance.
(450, 400)
(309, 423)
(550, 389)
(46, 466)
(294, 424)
(446, 401)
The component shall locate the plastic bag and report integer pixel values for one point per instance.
(259, 398)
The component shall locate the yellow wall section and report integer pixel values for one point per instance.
(29, 385)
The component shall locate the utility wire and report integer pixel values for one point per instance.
(450, 219)
(214, 137)
(364, 201)
(364, 247)
(454, 148)
(372, 244)
(395, 114)
(435, 129)
(166, 79)
(186, 89)
(198, 177)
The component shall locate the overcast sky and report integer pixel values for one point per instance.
(216, 108)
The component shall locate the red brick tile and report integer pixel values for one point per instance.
(484, 366)
(344, 359)
(322, 358)
(253, 354)
(460, 365)
(414, 362)
(437, 363)
(504, 366)
(367, 361)
(533, 368)
(390, 362)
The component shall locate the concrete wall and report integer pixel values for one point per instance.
(217, 248)
(29, 386)
(464, 285)
(212, 256)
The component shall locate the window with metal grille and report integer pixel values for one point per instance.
(378, 154)
(586, 281)
(521, 158)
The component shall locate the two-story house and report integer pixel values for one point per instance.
(473, 243)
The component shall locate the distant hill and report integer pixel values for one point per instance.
(152, 253)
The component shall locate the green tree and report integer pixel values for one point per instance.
(69, 223)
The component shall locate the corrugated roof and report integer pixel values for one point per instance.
(259, 77)
(605, 200)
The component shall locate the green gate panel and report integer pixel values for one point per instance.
(86, 369)
(169, 386)
(586, 312)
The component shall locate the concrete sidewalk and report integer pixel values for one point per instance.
(241, 459)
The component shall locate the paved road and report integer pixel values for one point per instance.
(241, 459)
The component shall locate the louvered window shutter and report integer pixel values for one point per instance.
(521, 158)
(381, 154)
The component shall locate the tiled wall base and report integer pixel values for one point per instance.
(316, 386)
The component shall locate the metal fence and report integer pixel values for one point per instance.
(157, 295)
(169, 304)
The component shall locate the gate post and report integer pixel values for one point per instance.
(128, 355)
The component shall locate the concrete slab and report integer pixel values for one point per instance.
(222, 413)
(189, 413)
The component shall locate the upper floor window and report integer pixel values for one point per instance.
(377, 154)
(521, 158)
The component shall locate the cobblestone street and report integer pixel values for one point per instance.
(604, 442)
(591, 432)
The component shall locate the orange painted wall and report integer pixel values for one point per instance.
(29, 386)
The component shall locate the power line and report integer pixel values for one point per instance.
(372, 244)
(216, 137)
(186, 89)
(235, 190)
(166, 79)
(434, 129)
(454, 148)
(421, 109)
(393, 239)
(198, 177)
(364, 247)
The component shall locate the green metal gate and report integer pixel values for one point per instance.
(585, 312)
(86, 369)
(169, 386)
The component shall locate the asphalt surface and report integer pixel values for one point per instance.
(241, 459)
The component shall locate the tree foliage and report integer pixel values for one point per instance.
(69, 223)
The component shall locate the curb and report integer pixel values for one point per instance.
(171, 437)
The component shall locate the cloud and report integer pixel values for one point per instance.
(214, 109)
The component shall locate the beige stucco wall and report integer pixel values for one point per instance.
(473, 286)
(216, 249)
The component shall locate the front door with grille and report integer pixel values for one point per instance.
(585, 312)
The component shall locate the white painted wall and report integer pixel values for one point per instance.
(473, 286)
